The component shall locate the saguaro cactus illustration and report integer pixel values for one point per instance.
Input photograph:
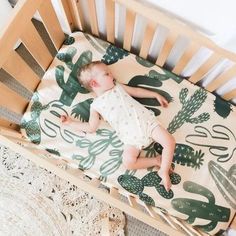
(220, 140)
(136, 186)
(72, 86)
(225, 181)
(200, 209)
(189, 107)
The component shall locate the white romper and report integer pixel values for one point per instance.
(132, 122)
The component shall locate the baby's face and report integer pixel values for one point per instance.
(103, 77)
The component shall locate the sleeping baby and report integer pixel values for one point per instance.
(135, 125)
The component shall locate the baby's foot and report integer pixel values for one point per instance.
(165, 180)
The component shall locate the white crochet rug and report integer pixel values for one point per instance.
(34, 201)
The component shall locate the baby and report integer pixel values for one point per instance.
(135, 125)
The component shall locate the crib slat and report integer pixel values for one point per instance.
(185, 58)
(36, 46)
(114, 192)
(210, 62)
(148, 36)
(23, 11)
(67, 14)
(74, 12)
(132, 201)
(79, 15)
(230, 95)
(166, 49)
(222, 79)
(93, 17)
(11, 100)
(110, 20)
(8, 124)
(129, 29)
(22, 72)
(52, 24)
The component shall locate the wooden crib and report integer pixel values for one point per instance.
(21, 27)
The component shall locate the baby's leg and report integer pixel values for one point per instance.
(167, 141)
(132, 161)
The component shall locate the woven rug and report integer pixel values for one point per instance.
(34, 201)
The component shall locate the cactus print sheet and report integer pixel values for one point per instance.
(203, 188)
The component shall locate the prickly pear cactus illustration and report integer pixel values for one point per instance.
(153, 82)
(184, 155)
(82, 110)
(31, 126)
(189, 107)
(97, 147)
(136, 186)
(225, 181)
(71, 86)
(196, 209)
(222, 107)
(220, 140)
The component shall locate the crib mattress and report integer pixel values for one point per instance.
(203, 188)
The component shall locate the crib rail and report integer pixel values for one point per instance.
(127, 203)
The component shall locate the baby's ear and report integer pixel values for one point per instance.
(93, 83)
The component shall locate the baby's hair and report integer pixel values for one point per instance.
(84, 74)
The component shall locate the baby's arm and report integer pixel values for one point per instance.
(90, 126)
(145, 93)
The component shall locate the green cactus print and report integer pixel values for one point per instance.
(184, 155)
(144, 62)
(189, 107)
(200, 209)
(71, 87)
(82, 110)
(113, 54)
(110, 166)
(136, 186)
(220, 140)
(53, 151)
(225, 181)
(69, 40)
(153, 83)
(222, 107)
(31, 126)
(96, 148)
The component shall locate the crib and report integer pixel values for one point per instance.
(20, 27)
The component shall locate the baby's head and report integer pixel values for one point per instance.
(96, 77)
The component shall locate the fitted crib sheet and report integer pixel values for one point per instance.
(203, 188)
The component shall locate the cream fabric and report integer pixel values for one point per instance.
(132, 122)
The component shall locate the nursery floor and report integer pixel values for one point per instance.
(133, 227)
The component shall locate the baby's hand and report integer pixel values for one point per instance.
(65, 119)
(162, 100)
